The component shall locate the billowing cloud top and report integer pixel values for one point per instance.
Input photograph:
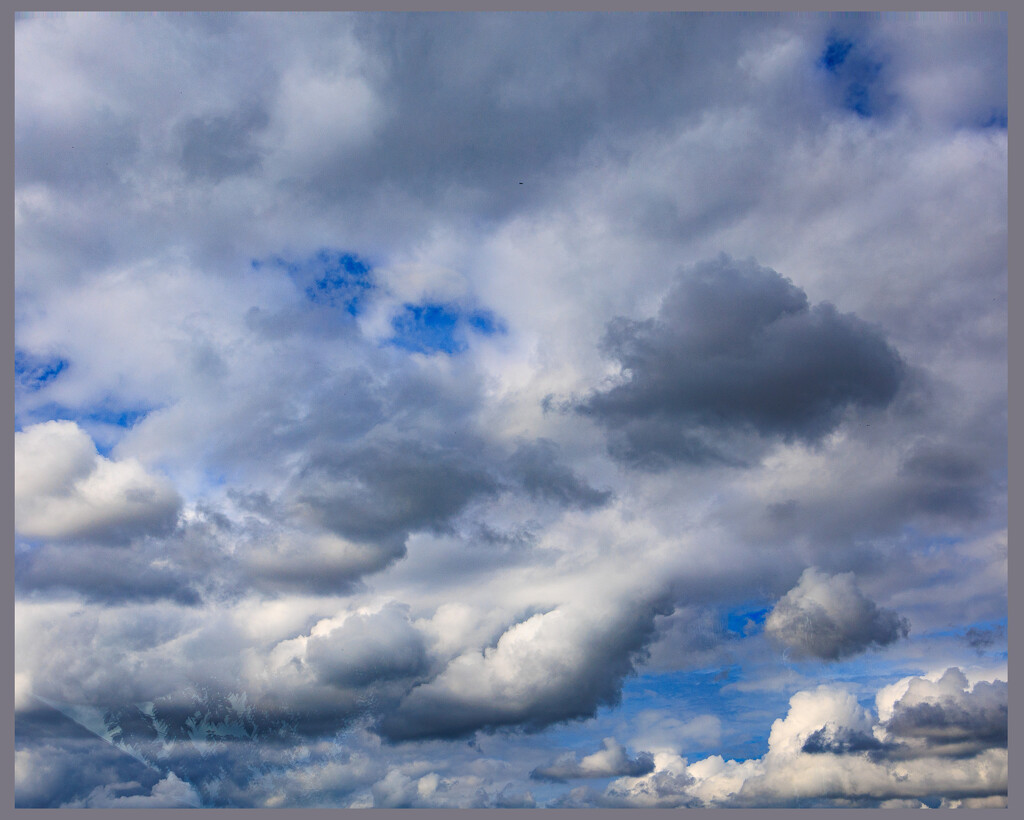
(829, 617)
(63, 489)
(510, 410)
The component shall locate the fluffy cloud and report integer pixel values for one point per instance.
(829, 617)
(551, 667)
(736, 347)
(169, 793)
(829, 750)
(610, 761)
(947, 717)
(64, 489)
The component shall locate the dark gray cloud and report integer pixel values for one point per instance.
(536, 467)
(736, 348)
(88, 571)
(381, 490)
(130, 749)
(661, 789)
(610, 761)
(982, 639)
(221, 145)
(943, 479)
(842, 741)
(830, 618)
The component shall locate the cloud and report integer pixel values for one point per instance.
(611, 761)
(65, 490)
(383, 489)
(552, 667)
(828, 617)
(736, 347)
(141, 573)
(367, 648)
(219, 145)
(829, 750)
(169, 793)
(537, 468)
(949, 717)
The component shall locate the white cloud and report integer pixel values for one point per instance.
(829, 745)
(64, 489)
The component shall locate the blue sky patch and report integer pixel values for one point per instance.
(125, 417)
(435, 327)
(485, 322)
(997, 119)
(426, 329)
(686, 694)
(746, 621)
(855, 76)
(835, 53)
(329, 277)
(34, 372)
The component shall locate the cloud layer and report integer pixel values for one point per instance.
(494, 410)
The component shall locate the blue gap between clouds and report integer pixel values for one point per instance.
(336, 278)
(34, 372)
(122, 417)
(856, 75)
(331, 278)
(747, 620)
(996, 628)
(997, 119)
(835, 53)
(686, 694)
(433, 327)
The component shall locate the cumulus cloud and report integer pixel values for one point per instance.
(611, 761)
(736, 347)
(947, 717)
(830, 750)
(828, 617)
(365, 648)
(554, 666)
(64, 489)
(169, 793)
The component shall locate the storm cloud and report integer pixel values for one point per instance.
(736, 347)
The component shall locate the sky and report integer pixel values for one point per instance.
(533, 410)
